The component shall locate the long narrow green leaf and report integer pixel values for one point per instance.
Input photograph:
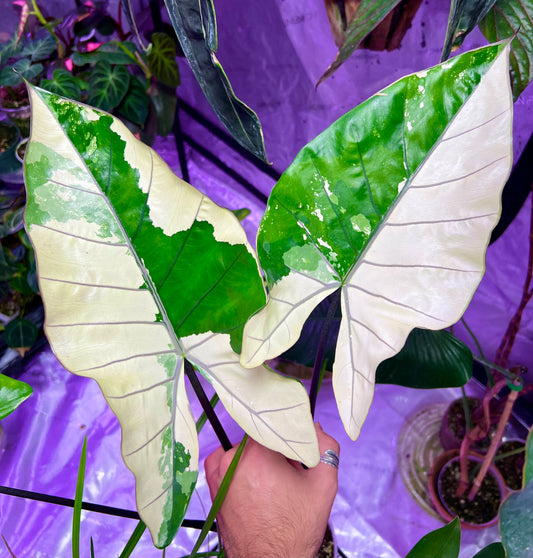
(76, 517)
(220, 496)
(133, 540)
(512, 18)
(464, 16)
(368, 15)
(394, 203)
(195, 25)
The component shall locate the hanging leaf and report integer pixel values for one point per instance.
(507, 19)
(12, 394)
(367, 16)
(139, 271)
(162, 60)
(107, 85)
(444, 542)
(464, 16)
(516, 513)
(429, 359)
(195, 25)
(393, 204)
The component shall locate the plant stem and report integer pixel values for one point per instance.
(494, 444)
(481, 358)
(206, 406)
(466, 409)
(486, 363)
(321, 349)
(502, 357)
(509, 453)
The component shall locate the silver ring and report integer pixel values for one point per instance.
(330, 457)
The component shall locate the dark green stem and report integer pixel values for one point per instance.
(321, 350)
(206, 406)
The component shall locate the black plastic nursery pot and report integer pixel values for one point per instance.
(443, 481)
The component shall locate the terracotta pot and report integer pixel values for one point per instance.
(445, 469)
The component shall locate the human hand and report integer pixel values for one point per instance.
(274, 507)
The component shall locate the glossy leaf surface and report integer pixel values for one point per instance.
(516, 513)
(507, 18)
(12, 394)
(441, 543)
(429, 359)
(195, 25)
(367, 16)
(139, 271)
(464, 16)
(394, 204)
(494, 550)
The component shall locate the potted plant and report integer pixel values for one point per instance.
(322, 215)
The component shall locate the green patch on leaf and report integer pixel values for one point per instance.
(12, 394)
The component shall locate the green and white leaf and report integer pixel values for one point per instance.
(139, 271)
(393, 204)
(508, 19)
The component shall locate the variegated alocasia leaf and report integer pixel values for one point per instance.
(139, 271)
(393, 204)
